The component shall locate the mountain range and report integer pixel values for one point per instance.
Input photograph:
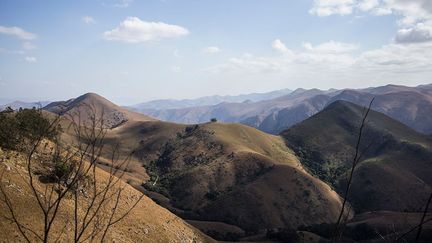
(409, 105)
(207, 100)
(233, 181)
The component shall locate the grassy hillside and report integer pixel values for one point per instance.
(83, 107)
(408, 105)
(397, 154)
(218, 172)
(229, 173)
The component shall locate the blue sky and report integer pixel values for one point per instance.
(133, 51)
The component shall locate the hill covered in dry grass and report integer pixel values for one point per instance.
(228, 173)
(148, 222)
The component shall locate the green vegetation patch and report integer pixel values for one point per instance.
(17, 127)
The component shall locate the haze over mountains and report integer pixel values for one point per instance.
(409, 105)
(207, 100)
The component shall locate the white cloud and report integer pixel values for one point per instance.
(134, 30)
(415, 15)
(123, 3)
(88, 20)
(418, 9)
(336, 61)
(324, 8)
(421, 32)
(29, 46)
(30, 59)
(17, 32)
(367, 5)
(211, 50)
(279, 46)
(329, 55)
(398, 58)
(331, 47)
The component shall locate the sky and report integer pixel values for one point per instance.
(132, 51)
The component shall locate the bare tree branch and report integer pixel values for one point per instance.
(338, 229)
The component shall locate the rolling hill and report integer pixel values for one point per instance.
(232, 180)
(228, 173)
(80, 107)
(215, 173)
(394, 173)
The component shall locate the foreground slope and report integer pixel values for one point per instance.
(148, 222)
(395, 170)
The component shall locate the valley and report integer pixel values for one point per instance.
(235, 182)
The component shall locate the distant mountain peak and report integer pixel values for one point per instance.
(113, 114)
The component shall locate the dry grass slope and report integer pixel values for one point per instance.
(228, 173)
(148, 222)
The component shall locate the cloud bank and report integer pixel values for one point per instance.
(415, 15)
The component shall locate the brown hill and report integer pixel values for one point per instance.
(227, 173)
(221, 173)
(408, 105)
(395, 171)
(82, 106)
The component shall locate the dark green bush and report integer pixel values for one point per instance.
(20, 126)
(9, 137)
